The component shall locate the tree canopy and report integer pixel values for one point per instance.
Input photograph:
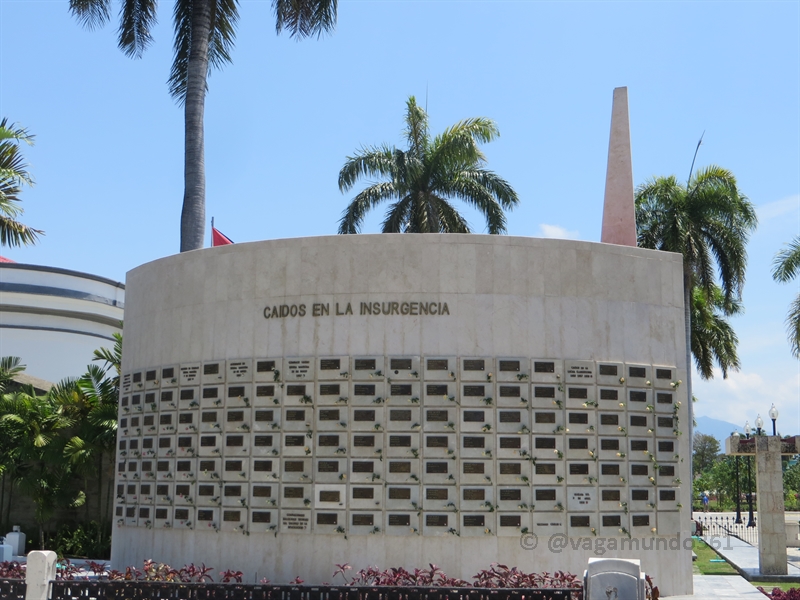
(785, 268)
(13, 175)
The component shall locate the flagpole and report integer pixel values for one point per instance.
(212, 232)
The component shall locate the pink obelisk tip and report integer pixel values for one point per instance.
(619, 215)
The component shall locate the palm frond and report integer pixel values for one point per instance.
(369, 162)
(137, 19)
(416, 128)
(91, 13)
(354, 214)
(793, 326)
(786, 264)
(305, 18)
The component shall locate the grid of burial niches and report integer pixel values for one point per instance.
(400, 445)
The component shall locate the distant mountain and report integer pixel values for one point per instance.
(719, 429)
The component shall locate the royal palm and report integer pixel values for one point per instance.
(204, 36)
(422, 181)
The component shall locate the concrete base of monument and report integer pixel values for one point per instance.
(313, 558)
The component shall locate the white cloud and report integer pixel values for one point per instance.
(778, 208)
(557, 232)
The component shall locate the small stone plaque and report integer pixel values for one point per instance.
(235, 416)
(208, 416)
(183, 419)
(328, 441)
(639, 470)
(579, 418)
(609, 469)
(295, 521)
(578, 444)
(206, 465)
(639, 445)
(296, 390)
(510, 495)
(262, 491)
(399, 493)
(506, 366)
(181, 514)
(607, 370)
(640, 520)
(363, 415)
(666, 446)
(472, 364)
(265, 366)
(363, 493)
(474, 416)
(666, 421)
(233, 465)
(578, 469)
(510, 521)
(639, 372)
(206, 441)
(234, 441)
(468, 468)
(666, 471)
(400, 364)
(296, 414)
(165, 419)
(236, 391)
(612, 521)
(329, 389)
(330, 364)
(330, 496)
(329, 414)
(474, 391)
(399, 466)
(663, 373)
(437, 364)
(545, 468)
(400, 389)
(510, 468)
(262, 465)
(436, 494)
(510, 391)
(294, 441)
(294, 466)
(474, 494)
(436, 441)
(206, 490)
(610, 495)
(473, 521)
(638, 421)
(183, 466)
(472, 441)
(609, 419)
(399, 520)
(363, 466)
(263, 415)
(544, 417)
(362, 519)
(211, 369)
(510, 416)
(364, 441)
(261, 516)
(663, 398)
(327, 466)
(436, 468)
(167, 373)
(609, 394)
(510, 442)
(544, 392)
(637, 396)
(182, 489)
(293, 493)
(436, 389)
(327, 518)
(265, 391)
(436, 415)
(400, 414)
(545, 495)
(184, 442)
(578, 393)
(232, 490)
(544, 367)
(364, 389)
(208, 393)
(161, 513)
(436, 520)
(545, 443)
(399, 441)
(579, 521)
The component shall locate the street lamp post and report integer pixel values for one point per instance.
(773, 414)
(759, 425)
(738, 520)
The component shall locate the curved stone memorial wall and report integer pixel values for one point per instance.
(402, 400)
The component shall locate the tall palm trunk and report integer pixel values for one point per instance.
(687, 315)
(193, 215)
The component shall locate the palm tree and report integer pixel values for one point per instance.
(708, 221)
(424, 178)
(713, 338)
(785, 267)
(204, 36)
(13, 175)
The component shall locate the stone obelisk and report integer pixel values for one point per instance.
(619, 216)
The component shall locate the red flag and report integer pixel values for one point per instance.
(218, 238)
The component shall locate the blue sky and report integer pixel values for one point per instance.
(282, 118)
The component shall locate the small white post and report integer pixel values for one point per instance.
(41, 570)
